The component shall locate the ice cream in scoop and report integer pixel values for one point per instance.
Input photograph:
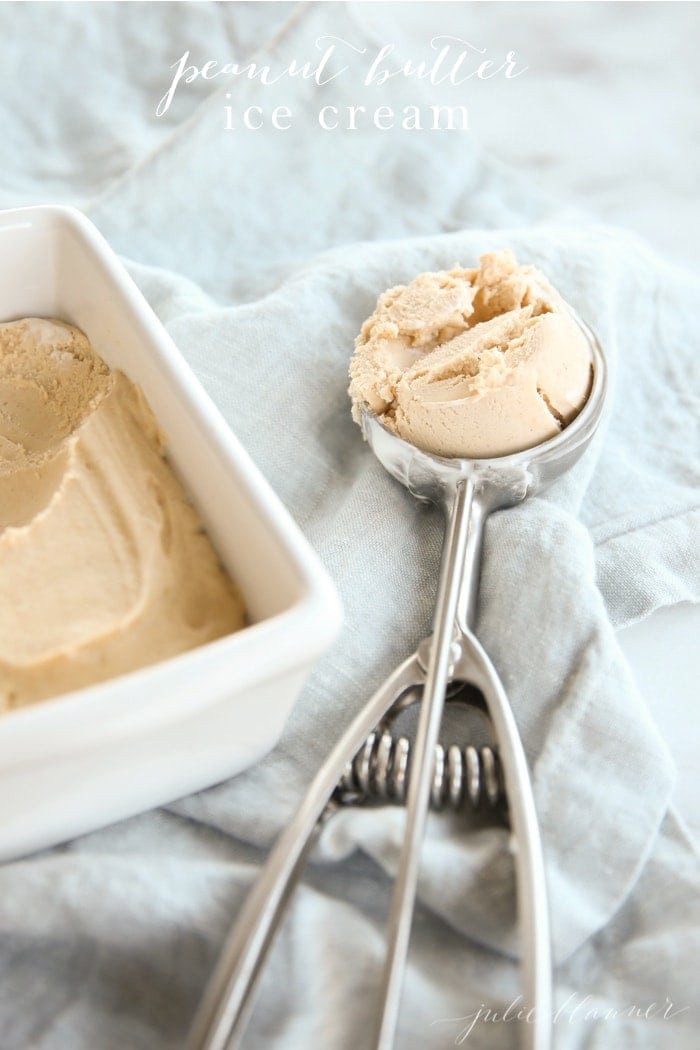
(104, 564)
(472, 362)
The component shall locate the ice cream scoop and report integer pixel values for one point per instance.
(469, 490)
(480, 362)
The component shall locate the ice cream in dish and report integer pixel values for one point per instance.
(472, 363)
(105, 566)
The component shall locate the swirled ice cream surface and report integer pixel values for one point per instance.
(105, 566)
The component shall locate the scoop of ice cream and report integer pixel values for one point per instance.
(473, 363)
(104, 564)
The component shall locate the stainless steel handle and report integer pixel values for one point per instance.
(432, 704)
(533, 911)
(228, 999)
(453, 653)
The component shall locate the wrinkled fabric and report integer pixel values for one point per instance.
(262, 254)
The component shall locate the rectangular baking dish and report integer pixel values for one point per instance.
(88, 758)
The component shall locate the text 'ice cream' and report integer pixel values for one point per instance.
(104, 565)
(473, 363)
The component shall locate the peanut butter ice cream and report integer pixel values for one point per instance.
(104, 565)
(472, 363)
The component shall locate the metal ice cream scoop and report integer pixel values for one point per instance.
(468, 490)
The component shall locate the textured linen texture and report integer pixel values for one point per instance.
(263, 254)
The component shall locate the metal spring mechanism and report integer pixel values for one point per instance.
(380, 772)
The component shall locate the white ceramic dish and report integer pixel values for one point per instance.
(94, 756)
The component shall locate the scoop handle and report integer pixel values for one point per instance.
(475, 666)
(224, 1011)
(440, 658)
